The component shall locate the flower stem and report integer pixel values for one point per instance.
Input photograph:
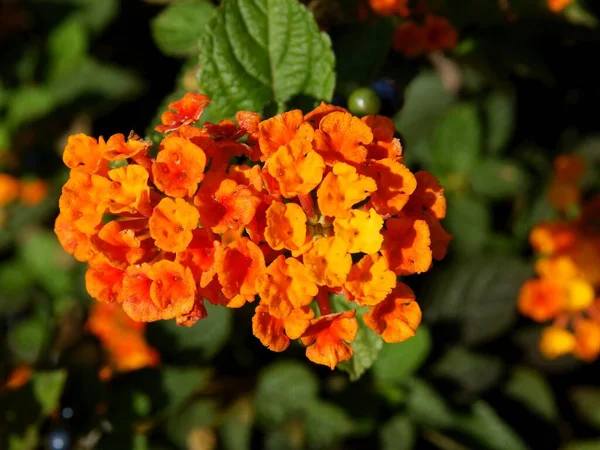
(308, 205)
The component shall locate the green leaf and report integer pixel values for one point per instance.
(499, 109)
(586, 401)
(479, 295)
(28, 104)
(362, 49)
(29, 440)
(26, 339)
(469, 221)
(425, 101)
(284, 389)
(484, 426)
(457, 140)
(180, 382)
(236, 430)
(41, 252)
(531, 389)
(497, 178)
(204, 339)
(96, 14)
(67, 46)
(583, 445)
(474, 373)
(398, 434)
(366, 345)
(257, 52)
(48, 388)
(427, 407)
(200, 415)
(396, 362)
(178, 28)
(15, 281)
(326, 424)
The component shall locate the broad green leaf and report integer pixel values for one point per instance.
(586, 401)
(484, 426)
(48, 388)
(366, 345)
(67, 46)
(499, 110)
(41, 252)
(396, 362)
(362, 50)
(473, 372)
(140, 442)
(427, 407)
(15, 281)
(29, 440)
(96, 14)
(425, 101)
(583, 445)
(533, 390)
(456, 143)
(289, 438)
(27, 337)
(204, 339)
(479, 296)
(264, 51)
(198, 418)
(398, 434)
(180, 382)
(28, 104)
(284, 389)
(497, 178)
(469, 221)
(236, 430)
(326, 424)
(142, 404)
(178, 28)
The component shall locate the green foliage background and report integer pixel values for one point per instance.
(471, 378)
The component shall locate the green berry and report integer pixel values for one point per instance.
(364, 101)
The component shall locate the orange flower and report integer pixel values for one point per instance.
(556, 342)
(370, 280)
(285, 286)
(557, 6)
(340, 138)
(9, 188)
(172, 223)
(199, 256)
(84, 153)
(395, 184)
(238, 266)
(129, 191)
(103, 282)
(83, 201)
(281, 130)
(390, 7)
(185, 111)
(328, 336)
(72, 240)
(407, 245)
(428, 197)
(297, 168)
(564, 190)
(32, 192)
(384, 145)
(316, 115)
(361, 231)
(117, 148)
(274, 333)
(587, 339)
(341, 189)
(286, 226)
(440, 35)
(179, 167)
(540, 300)
(18, 378)
(397, 317)
(552, 237)
(410, 39)
(328, 261)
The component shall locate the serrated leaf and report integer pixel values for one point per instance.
(204, 339)
(586, 401)
(398, 361)
(326, 424)
(499, 111)
(497, 178)
(178, 28)
(456, 143)
(472, 372)
(479, 296)
(533, 390)
(48, 388)
(425, 101)
(484, 426)
(398, 434)
(427, 407)
(469, 221)
(366, 345)
(257, 52)
(284, 389)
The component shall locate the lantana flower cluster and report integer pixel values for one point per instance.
(568, 270)
(290, 209)
(122, 339)
(419, 31)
